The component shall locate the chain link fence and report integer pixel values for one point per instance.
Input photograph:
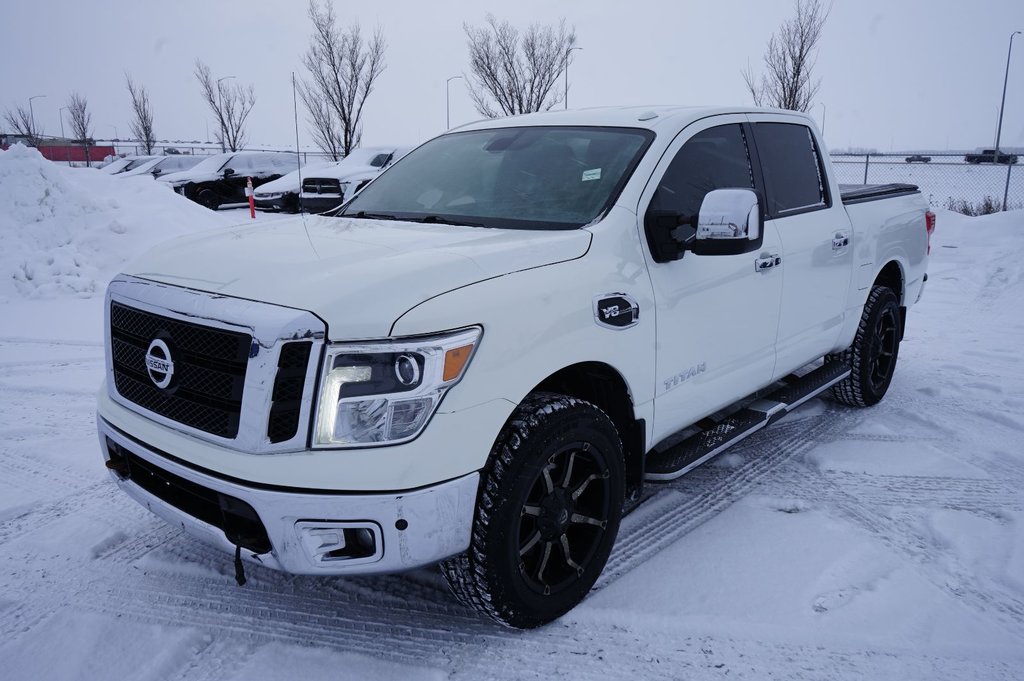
(947, 180)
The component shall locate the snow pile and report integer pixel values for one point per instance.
(66, 231)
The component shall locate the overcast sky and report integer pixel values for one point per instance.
(901, 74)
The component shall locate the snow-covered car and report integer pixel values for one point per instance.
(282, 194)
(482, 358)
(163, 165)
(123, 165)
(330, 187)
(221, 179)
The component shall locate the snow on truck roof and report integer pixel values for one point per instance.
(649, 117)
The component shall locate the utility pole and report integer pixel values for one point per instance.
(823, 120)
(567, 53)
(220, 112)
(448, 102)
(1006, 77)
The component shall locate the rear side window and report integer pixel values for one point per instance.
(715, 158)
(792, 168)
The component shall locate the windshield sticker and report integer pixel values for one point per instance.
(594, 174)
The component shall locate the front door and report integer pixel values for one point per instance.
(717, 316)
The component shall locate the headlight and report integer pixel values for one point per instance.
(384, 393)
(269, 196)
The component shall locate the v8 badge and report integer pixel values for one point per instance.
(616, 310)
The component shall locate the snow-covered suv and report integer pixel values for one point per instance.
(483, 357)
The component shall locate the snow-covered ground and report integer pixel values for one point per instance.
(885, 543)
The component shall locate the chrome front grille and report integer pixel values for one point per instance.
(209, 369)
(241, 374)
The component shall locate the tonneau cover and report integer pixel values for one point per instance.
(858, 193)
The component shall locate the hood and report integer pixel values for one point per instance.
(183, 176)
(341, 173)
(358, 275)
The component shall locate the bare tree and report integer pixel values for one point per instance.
(81, 120)
(231, 104)
(142, 115)
(21, 123)
(323, 123)
(343, 68)
(517, 72)
(787, 81)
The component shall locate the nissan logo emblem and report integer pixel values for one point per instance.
(159, 364)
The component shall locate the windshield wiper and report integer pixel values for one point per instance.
(441, 219)
(363, 215)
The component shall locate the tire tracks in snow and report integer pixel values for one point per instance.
(937, 564)
(666, 517)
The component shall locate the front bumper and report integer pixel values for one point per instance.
(410, 528)
(288, 203)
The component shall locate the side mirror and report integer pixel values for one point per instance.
(730, 222)
(228, 172)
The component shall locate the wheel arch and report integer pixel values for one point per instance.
(602, 385)
(893, 277)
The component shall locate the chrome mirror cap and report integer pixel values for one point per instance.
(728, 214)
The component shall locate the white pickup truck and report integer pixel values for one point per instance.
(478, 360)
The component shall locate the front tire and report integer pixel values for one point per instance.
(547, 514)
(872, 357)
(208, 199)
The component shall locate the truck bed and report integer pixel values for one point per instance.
(859, 193)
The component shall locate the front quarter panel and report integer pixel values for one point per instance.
(539, 321)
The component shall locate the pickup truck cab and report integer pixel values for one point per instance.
(482, 358)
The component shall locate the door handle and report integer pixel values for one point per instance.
(840, 241)
(767, 262)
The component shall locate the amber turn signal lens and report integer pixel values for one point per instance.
(455, 361)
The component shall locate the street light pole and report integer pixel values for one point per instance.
(823, 120)
(999, 127)
(32, 111)
(220, 112)
(448, 102)
(567, 53)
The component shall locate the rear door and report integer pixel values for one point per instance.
(816, 236)
(717, 315)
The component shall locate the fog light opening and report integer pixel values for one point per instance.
(327, 542)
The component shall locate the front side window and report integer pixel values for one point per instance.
(792, 167)
(512, 178)
(715, 158)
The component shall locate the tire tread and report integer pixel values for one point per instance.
(466, 572)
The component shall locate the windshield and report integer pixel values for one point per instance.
(515, 178)
(132, 165)
(211, 164)
(365, 157)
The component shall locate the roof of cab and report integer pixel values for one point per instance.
(650, 117)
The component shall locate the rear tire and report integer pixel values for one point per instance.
(547, 513)
(872, 357)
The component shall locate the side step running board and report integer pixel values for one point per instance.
(714, 439)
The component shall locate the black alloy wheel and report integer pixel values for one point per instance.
(882, 350)
(564, 518)
(547, 513)
(872, 357)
